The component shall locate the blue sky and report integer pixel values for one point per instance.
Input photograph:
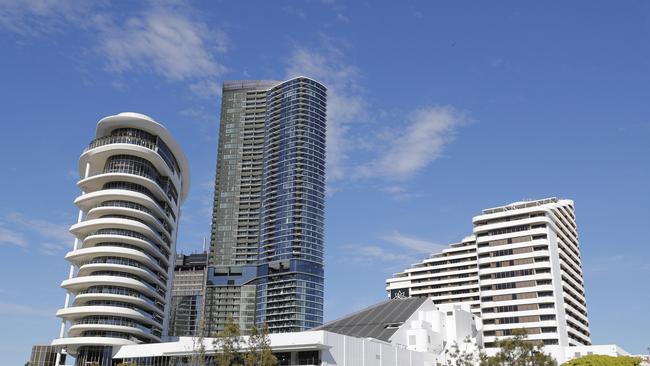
(437, 110)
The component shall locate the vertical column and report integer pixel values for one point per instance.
(71, 273)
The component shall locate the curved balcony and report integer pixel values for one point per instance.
(99, 155)
(97, 198)
(83, 297)
(86, 255)
(127, 240)
(78, 284)
(96, 182)
(78, 312)
(112, 324)
(111, 209)
(88, 227)
(142, 273)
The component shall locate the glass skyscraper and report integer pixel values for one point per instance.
(266, 248)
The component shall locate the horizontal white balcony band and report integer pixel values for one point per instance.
(77, 329)
(84, 255)
(533, 266)
(86, 270)
(535, 277)
(76, 284)
(97, 157)
(507, 224)
(78, 312)
(94, 199)
(85, 228)
(96, 182)
(93, 240)
(150, 220)
(82, 299)
(524, 244)
(540, 324)
(90, 341)
(495, 315)
(542, 288)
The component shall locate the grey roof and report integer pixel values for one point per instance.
(379, 321)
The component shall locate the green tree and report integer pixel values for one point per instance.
(199, 357)
(461, 357)
(602, 360)
(518, 351)
(259, 348)
(228, 344)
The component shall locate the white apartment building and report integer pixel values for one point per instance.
(525, 257)
(134, 178)
(448, 277)
(398, 332)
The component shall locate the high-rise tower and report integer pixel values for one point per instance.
(134, 177)
(520, 268)
(266, 248)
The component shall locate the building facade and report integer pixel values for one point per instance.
(45, 355)
(187, 295)
(133, 178)
(399, 332)
(266, 247)
(526, 256)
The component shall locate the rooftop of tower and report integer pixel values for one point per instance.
(520, 204)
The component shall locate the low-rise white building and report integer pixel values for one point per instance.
(405, 332)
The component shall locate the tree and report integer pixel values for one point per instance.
(518, 351)
(199, 357)
(602, 360)
(458, 357)
(259, 348)
(228, 343)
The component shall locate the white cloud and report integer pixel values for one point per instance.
(11, 237)
(45, 229)
(24, 310)
(167, 42)
(36, 17)
(420, 140)
(412, 243)
(167, 39)
(373, 253)
(342, 18)
(53, 249)
(345, 104)
(399, 193)
(423, 140)
(53, 238)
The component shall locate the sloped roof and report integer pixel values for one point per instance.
(379, 321)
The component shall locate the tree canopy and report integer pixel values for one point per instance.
(602, 360)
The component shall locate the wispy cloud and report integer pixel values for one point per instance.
(12, 309)
(400, 193)
(397, 250)
(375, 253)
(36, 17)
(169, 42)
(416, 142)
(412, 243)
(20, 230)
(11, 237)
(422, 141)
(345, 103)
(168, 39)
(41, 227)
(53, 249)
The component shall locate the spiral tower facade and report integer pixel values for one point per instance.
(134, 178)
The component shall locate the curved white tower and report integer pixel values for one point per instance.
(134, 178)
